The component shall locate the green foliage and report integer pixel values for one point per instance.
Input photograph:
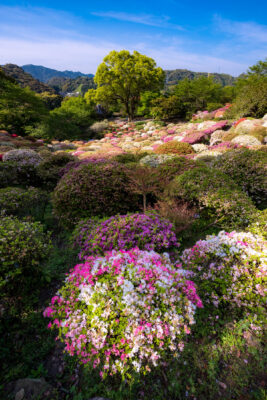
(93, 190)
(247, 168)
(251, 95)
(20, 109)
(71, 120)
(51, 100)
(23, 246)
(8, 174)
(22, 202)
(220, 199)
(174, 147)
(146, 100)
(122, 78)
(79, 84)
(190, 96)
(126, 158)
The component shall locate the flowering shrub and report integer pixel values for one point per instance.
(195, 137)
(23, 157)
(129, 310)
(248, 169)
(22, 202)
(97, 189)
(153, 160)
(230, 271)
(146, 231)
(23, 246)
(174, 147)
(217, 195)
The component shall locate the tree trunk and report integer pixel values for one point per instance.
(144, 202)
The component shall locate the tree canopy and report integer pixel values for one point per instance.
(122, 77)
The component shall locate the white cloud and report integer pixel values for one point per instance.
(144, 19)
(245, 31)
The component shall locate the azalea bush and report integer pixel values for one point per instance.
(23, 157)
(93, 189)
(248, 169)
(8, 174)
(230, 271)
(146, 231)
(128, 311)
(23, 202)
(220, 200)
(174, 147)
(23, 247)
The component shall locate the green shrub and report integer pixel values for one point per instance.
(174, 167)
(248, 169)
(8, 174)
(174, 147)
(23, 246)
(93, 190)
(219, 198)
(22, 202)
(127, 158)
(49, 169)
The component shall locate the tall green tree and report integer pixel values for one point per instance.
(251, 93)
(122, 77)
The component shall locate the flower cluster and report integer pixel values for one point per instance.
(146, 231)
(230, 270)
(129, 310)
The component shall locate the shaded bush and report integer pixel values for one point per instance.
(174, 147)
(49, 170)
(23, 157)
(23, 246)
(22, 202)
(248, 169)
(220, 199)
(93, 190)
(8, 174)
(145, 231)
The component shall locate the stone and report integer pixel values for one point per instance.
(29, 389)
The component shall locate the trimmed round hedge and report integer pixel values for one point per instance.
(145, 231)
(217, 195)
(174, 147)
(93, 190)
(49, 170)
(248, 169)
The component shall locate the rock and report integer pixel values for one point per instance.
(246, 140)
(20, 394)
(29, 389)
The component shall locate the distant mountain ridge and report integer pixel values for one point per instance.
(25, 79)
(176, 75)
(43, 74)
(81, 84)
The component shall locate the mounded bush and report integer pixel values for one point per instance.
(49, 170)
(8, 174)
(248, 169)
(22, 202)
(230, 272)
(218, 197)
(174, 147)
(23, 247)
(145, 231)
(128, 311)
(23, 157)
(97, 189)
(174, 167)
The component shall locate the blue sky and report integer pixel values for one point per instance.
(224, 36)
